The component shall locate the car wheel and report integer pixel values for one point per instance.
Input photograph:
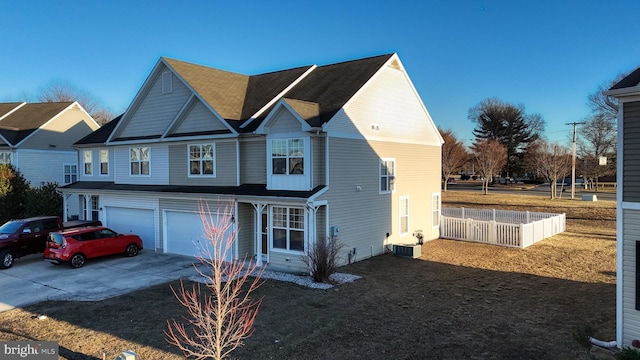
(77, 260)
(6, 259)
(131, 250)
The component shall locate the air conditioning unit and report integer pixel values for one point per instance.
(407, 250)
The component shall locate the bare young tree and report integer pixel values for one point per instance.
(598, 137)
(489, 156)
(221, 316)
(551, 161)
(60, 91)
(454, 155)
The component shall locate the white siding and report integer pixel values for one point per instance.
(365, 217)
(389, 104)
(159, 166)
(42, 166)
(630, 316)
(156, 110)
(199, 118)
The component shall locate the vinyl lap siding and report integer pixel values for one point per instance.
(157, 110)
(386, 109)
(318, 151)
(631, 148)
(284, 122)
(631, 316)
(159, 169)
(63, 131)
(95, 165)
(199, 118)
(246, 231)
(366, 216)
(253, 161)
(225, 165)
(41, 166)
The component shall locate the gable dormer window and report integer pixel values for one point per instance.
(167, 82)
(287, 156)
(139, 160)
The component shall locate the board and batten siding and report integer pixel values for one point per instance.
(159, 167)
(225, 165)
(156, 110)
(365, 216)
(630, 316)
(253, 160)
(198, 118)
(631, 148)
(386, 109)
(66, 128)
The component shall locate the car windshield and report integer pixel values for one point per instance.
(56, 238)
(10, 227)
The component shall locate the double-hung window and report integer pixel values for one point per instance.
(5, 157)
(288, 228)
(139, 160)
(404, 215)
(287, 156)
(88, 162)
(387, 175)
(70, 173)
(104, 162)
(202, 160)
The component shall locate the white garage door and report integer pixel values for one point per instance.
(184, 231)
(133, 221)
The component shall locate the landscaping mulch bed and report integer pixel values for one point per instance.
(459, 300)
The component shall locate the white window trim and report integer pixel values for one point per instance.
(290, 181)
(64, 173)
(215, 162)
(392, 180)
(438, 209)
(140, 161)
(400, 215)
(10, 157)
(288, 228)
(84, 162)
(305, 157)
(107, 162)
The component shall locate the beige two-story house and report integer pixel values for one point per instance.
(345, 150)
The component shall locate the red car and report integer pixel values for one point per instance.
(77, 245)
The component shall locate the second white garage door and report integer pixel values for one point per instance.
(133, 221)
(183, 231)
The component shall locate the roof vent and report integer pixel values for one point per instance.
(395, 64)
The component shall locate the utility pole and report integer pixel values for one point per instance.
(573, 160)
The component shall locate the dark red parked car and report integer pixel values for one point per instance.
(77, 245)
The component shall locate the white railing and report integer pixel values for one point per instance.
(500, 227)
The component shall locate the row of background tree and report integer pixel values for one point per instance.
(509, 143)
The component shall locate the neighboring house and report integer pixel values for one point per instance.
(37, 139)
(346, 150)
(627, 91)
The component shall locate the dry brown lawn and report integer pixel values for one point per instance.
(458, 301)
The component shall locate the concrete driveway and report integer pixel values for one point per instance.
(32, 279)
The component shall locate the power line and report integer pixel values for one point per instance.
(573, 160)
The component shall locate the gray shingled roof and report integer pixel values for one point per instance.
(630, 80)
(236, 97)
(29, 118)
(100, 135)
(7, 107)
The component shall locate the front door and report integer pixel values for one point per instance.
(265, 237)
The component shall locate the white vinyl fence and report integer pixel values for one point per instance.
(500, 227)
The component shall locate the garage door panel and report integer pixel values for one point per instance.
(135, 221)
(184, 233)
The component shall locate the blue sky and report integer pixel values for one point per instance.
(547, 55)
